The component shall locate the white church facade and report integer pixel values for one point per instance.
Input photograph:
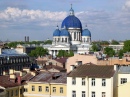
(71, 36)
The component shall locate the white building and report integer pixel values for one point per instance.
(71, 36)
(91, 81)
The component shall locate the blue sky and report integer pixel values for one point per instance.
(106, 19)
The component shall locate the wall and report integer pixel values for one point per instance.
(98, 88)
(78, 87)
(43, 93)
(83, 58)
(124, 90)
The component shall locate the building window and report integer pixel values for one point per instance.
(103, 94)
(54, 89)
(47, 89)
(74, 35)
(21, 91)
(7, 93)
(83, 81)
(103, 82)
(93, 94)
(93, 81)
(16, 92)
(12, 93)
(73, 81)
(61, 89)
(73, 93)
(25, 90)
(65, 39)
(83, 94)
(33, 88)
(123, 80)
(40, 88)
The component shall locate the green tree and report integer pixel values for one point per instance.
(94, 47)
(39, 51)
(109, 51)
(120, 53)
(48, 42)
(63, 53)
(126, 47)
(114, 42)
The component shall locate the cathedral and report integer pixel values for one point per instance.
(71, 36)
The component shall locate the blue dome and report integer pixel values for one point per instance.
(56, 32)
(64, 32)
(86, 32)
(71, 22)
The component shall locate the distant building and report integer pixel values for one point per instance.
(12, 59)
(72, 36)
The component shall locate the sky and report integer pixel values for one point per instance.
(106, 19)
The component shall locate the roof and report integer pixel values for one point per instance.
(61, 60)
(50, 77)
(56, 32)
(93, 71)
(71, 21)
(5, 82)
(124, 69)
(27, 77)
(48, 67)
(86, 32)
(64, 32)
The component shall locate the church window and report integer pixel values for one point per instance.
(74, 35)
(65, 39)
(62, 39)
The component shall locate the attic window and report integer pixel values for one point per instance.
(56, 76)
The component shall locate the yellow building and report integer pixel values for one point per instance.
(8, 88)
(47, 84)
(123, 82)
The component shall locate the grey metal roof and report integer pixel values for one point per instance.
(124, 69)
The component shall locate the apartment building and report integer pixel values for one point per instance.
(92, 81)
(123, 82)
(47, 84)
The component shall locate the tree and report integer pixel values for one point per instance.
(48, 42)
(39, 51)
(114, 42)
(126, 47)
(63, 53)
(109, 51)
(120, 53)
(94, 47)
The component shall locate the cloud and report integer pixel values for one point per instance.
(127, 6)
(102, 24)
(15, 15)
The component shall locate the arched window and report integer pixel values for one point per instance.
(65, 39)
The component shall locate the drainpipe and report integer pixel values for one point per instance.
(50, 89)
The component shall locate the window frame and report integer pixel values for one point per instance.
(73, 81)
(103, 82)
(73, 93)
(54, 90)
(103, 94)
(93, 82)
(123, 80)
(61, 90)
(33, 88)
(93, 94)
(47, 89)
(83, 94)
(83, 82)
(40, 88)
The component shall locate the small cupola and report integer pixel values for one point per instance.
(71, 10)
